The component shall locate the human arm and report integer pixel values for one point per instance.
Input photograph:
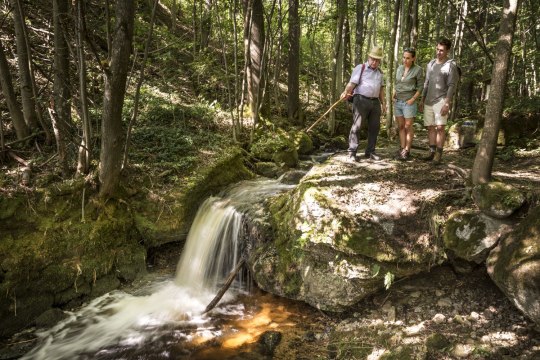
(348, 92)
(453, 78)
(382, 100)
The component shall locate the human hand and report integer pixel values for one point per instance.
(445, 109)
(410, 101)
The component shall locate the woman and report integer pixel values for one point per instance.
(409, 85)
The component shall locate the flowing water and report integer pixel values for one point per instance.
(164, 320)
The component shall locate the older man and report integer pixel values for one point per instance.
(366, 86)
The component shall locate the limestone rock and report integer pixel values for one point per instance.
(336, 239)
(470, 235)
(497, 199)
(514, 265)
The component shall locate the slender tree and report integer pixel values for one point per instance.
(483, 162)
(21, 129)
(255, 48)
(359, 39)
(23, 60)
(293, 79)
(61, 119)
(112, 135)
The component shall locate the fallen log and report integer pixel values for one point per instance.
(225, 286)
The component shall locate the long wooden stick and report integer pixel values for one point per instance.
(225, 286)
(323, 115)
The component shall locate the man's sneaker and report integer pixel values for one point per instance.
(430, 156)
(351, 157)
(374, 156)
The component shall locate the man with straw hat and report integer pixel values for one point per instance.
(366, 87)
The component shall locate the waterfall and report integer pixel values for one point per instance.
(170, 311)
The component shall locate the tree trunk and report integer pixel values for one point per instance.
(206, 24)
(390, 73)
(112, 135)
(255, 48)
(293, 78)
(483, 162)
(61, 120)
(85, 147)
(359, 40)
(21, 129)
(341, 12)
(414, 24)
(23, 60)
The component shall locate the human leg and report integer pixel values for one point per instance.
(358, 115)
(374, 125)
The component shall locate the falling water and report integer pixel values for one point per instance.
(164, 314)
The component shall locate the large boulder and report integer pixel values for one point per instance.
(339, 237)
(470, 235)
(497, 199)
(514, 265)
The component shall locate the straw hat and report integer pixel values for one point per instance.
(376, 52)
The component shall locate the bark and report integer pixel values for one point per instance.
(389, 75)
(341, 10)
(293, 79)
(414, 24)
(206, 24)
(255, 48)
(61, 120)
(85, 148)
(483, 162)
(359, 40)
(112, 135)
(23, 60)
(21, 129)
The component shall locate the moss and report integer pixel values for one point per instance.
(228, 169)
(497, 199)
(8, 207)
(303, 143)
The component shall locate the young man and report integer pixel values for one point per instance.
(366, 86)
(439, 88)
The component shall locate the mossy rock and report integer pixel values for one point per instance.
(303, 142)
(514, 265)
(470, 235)
(339, 142)
(497, 199)
(267, 169)
(437, 342)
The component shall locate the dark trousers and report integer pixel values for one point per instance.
(365, 110)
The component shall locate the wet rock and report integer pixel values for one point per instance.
(50, 318)
(267, 169)
(292, 177)
(497, 199)
(269, 341)
(514, 265)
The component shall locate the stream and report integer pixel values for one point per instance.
(163, 319)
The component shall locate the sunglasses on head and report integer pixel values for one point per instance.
(410, 50)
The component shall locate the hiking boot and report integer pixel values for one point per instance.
(405, 155)
(437, 157)
(429, 157)
(397, 156)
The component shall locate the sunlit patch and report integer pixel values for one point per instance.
(501, 338)
(239, 340)
(415, 329)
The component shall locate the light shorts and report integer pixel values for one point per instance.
(432, 114)
(401, 108)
